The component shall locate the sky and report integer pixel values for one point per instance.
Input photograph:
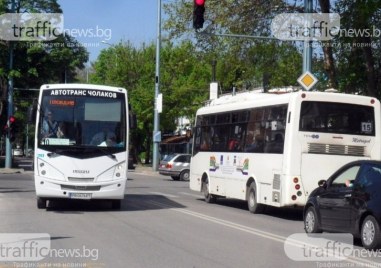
(113, 21)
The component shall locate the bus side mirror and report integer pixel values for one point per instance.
(133, 121)
(32, 114)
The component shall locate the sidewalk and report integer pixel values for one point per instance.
(139, 168)
(11, 170)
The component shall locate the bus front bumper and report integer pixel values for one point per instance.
(59, 189)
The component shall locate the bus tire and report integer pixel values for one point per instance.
(252, 203)
(41, 203)
(209, 198)
(184, 176)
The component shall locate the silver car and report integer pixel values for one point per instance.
(176, 166)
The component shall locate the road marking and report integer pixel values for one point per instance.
(257, 232)
(163, 194)
(193, 195)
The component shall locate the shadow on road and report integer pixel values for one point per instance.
(131, 202)
(287, 213)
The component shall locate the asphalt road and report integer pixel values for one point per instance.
(161, 224)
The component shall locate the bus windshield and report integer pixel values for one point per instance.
(339, 118)
(87, 121)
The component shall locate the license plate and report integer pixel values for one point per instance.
(80, 195)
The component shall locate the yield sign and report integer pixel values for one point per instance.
(307, 80)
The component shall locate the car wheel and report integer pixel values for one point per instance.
(252, 203)
(209, 198)
(311, 221)
(41, 203)
(184, 175)
(370, 233)
(175, 178)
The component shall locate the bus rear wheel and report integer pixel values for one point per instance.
(209, 198)
(41, 203)
(252, 203)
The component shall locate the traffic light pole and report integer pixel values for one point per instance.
(8, 145)
(156, 132)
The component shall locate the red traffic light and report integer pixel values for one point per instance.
(12, 119)
(198, 14)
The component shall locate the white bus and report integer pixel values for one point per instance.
(272, 149)
(81, 143)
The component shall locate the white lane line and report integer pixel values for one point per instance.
(264, 234)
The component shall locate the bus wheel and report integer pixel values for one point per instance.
(41, 203)
(209, 198)
(184, 176)
(252, 203)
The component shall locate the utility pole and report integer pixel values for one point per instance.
(8, 144)
(307, 44)
(156, 123)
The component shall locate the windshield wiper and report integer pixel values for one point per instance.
(54, 153)
(106, 152)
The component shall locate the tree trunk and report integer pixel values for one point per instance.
(329, 64)
(148, 143)
(369, 63)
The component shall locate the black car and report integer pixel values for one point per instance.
(348, 202)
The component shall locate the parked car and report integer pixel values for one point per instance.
(176, 166)
(17, 152)
(349, 201)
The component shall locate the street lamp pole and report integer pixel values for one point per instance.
(8, 144)
(307, 45)
(156, 132)
(116, 52)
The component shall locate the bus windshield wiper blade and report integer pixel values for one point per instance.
(54, 153)
(106, 152)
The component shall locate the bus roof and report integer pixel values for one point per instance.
(254, 98)
(81, 86)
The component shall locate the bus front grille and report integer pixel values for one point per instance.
(81, 187)
(75, 179)
(318, 148)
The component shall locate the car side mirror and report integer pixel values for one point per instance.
(322, 183)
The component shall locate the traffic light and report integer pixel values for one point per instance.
(198, 14)
(9, 128)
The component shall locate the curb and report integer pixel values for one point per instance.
(11, 170)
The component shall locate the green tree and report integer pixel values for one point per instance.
(184, 83)
(36, 63)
